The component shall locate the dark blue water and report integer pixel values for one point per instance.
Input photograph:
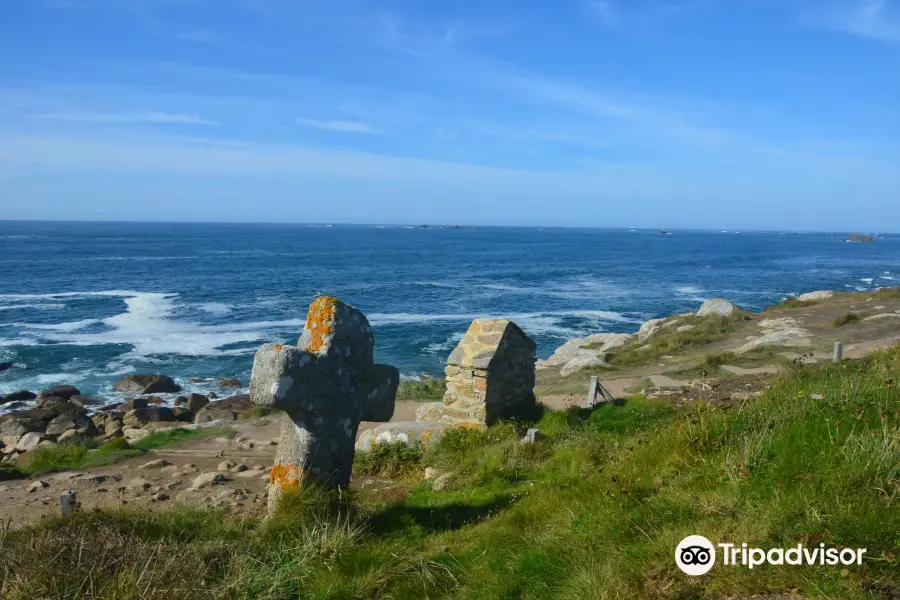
(86, 302)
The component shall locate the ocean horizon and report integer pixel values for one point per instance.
(87, 302)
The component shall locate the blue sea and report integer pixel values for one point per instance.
(85, 303)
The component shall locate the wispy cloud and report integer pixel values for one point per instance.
(336, 125)
(603, 11)
(129, 117)
(873, 19)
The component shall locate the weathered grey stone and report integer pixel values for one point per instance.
(196, 401)
(62, 391)
(11, 431)
(326, 386)
(134, 403)
(20, 396)
(159, 463)
(139, 484)
(134, 434)
(86, 400)
(430, 412)
(716, 306)
(441, 483)
(72, 436)
(72, 420)
(37, 485)
(207, 479)
(649, 328)
(579, 353)
(793, 336)
(140, 416)
(406, 432)
(815, 296)
(531, 436)
(147, 383)
(229, 409)
(29, 441)
(490, 375)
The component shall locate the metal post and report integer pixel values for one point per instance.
(838, 352)
(592, 391)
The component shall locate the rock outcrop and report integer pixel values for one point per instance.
(579, 353)
(716, 306)
(815, 296)
(147, 383)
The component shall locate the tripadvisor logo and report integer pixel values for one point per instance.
(696, 555)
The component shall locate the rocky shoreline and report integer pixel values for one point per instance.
(581, 353)
(62, 414)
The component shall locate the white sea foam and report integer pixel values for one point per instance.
(866, 280)
(55, 306)
(688, 290)
(888, 277)
(19, 342)
(215, 308)
(149, 326)
(59, 378)
(445, 346)
(72, 326)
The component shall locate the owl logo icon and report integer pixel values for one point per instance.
(695, 555)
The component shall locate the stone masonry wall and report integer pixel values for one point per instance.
(490, 375)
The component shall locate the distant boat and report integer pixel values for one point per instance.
(452, 226)
(664, 232)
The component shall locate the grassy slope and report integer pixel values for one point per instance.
(594, 510)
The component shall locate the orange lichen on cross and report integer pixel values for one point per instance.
(320, 321)
(287, 477)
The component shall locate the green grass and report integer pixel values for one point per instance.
(761, 355)
(89, 454)
(847, 319)
(392, 459)
(256, 412)
(792, 303)
(426, 389)
(593, 510)
(668, 340)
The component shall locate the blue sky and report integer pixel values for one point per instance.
(771, 114)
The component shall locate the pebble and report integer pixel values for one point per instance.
(159, 463)
(239, 468)
(160, 497)
(226, 465)
(207, 479)
(251, 473)
(139, 483)
(37, 485)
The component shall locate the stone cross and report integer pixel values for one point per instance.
(325, 385)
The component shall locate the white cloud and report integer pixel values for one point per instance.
(129, 117)
(603, 11)
(336, 125)
(873, 19)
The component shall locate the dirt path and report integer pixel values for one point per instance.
(130, 482)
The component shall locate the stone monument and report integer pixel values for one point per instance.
(325, 385)
(490, 375)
